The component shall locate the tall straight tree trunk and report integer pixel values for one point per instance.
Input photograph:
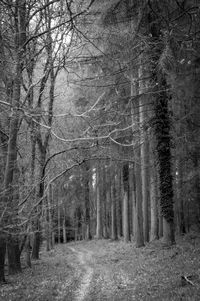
(132, 190)
(180, 218)
(163, 148)
(144, 150)
(47, 229)
(87, 201)
(113, 210)
(160, 221)
(98, 203)
(2, 257)
(64, 225)
(153, 189)
(50, 205)
(154, 206)
(139, 237)
(125, 176)
(119, 195)
(37, 233)
(137, 205)
(162, 128)
(59, 224)
(28, 251)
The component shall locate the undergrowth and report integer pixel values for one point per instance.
(154, 272)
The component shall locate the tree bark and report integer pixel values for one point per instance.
(144, 150)
(36, 245)
(13, 250)
(153, 190)
(163, 148)
(139, 237)
(2, 257)
(87, 201)
(132, 190)
(162, 128)
(64, 225)
(138, 213)
(10, 214)
(28, 251)
(126, 203)
(98, 204)
(119, 194)
(59, 224)
(113, 212)
(180, 218)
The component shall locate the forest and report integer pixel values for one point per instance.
(99, 126)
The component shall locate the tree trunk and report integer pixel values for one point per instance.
(87, 201)
(163, 148)
(144, 151)
(119, 195)
(113, 213)
(28, 251)
(160, 221)
(13, 250)
(132, 190)
(138, 208)
(64, 227)
(36, 245)
(47, 226)
(153, 190)
(59, 224)
(50, 204)
(138, 213)
(2, 257)
(180, 218)
(53, 238)
(37, 235)
(162, 128)
(154, 207)
(98, 204)
(126, 203)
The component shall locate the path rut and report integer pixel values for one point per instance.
(99, 280)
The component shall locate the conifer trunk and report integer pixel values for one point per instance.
(163, 148)
(126, 203)
(113, 213)
(144, 150)
(98, 204)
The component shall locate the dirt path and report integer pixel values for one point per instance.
(84, 257)
(108, 271)
(100, 280)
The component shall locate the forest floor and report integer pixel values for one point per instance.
(112, 271)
